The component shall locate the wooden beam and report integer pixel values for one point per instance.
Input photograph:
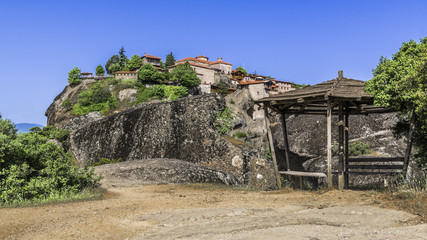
(409, 146)
(346, 154)
(329, 142)
(341, 146)
(272, 150)
(285, 140)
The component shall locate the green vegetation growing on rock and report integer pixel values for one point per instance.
(74, 76)
(145, 94)
(356, 148)
(103, 161)
(33, 169)
(401, 83)
(98, 98)
(224, 121)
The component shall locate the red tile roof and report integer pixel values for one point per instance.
(86, 73)
(151, 56)
(201, 56)
(193, 59)
(222, 62)
(253, 82)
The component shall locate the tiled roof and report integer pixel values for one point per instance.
(193, 59)
(151, 56)
(221, 62)
(201, 56)
(253, 82)
(86, 73)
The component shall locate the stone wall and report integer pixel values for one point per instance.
(206, 75)
(181, 129)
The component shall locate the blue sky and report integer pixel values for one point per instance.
(299, 41)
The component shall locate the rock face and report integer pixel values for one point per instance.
(161, 170)
(77, 122)
(57, 114)
(181, 129)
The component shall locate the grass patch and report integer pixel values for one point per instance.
(88, 194)
(103, 161)
(218, 186)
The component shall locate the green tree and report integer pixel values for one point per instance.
(113, 60)
(401, 83)
(134, 63)
(122, 58)
(150, 73)
(170, 60)
(100, 70)
(222, 88)
(242, 69)
(114, 68)
(74, 77)
(185, 75)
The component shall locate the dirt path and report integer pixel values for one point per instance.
(206, 212)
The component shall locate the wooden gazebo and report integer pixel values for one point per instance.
(343, 97)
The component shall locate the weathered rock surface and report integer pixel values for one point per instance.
(78, 122)
(59, 115)
(181, 129)
(149, 171)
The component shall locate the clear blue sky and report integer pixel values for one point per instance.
(300, 41)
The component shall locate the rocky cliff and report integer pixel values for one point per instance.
(181, 129)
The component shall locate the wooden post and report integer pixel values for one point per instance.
(409, 146)
(329, 143)
(346, 136)
(341, 146)
(272, 150)
(285, 140)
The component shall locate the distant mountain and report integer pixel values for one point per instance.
(25, 127)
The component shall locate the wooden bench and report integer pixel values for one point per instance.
(303, 174)
(374, 165)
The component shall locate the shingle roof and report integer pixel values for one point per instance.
(313, 99)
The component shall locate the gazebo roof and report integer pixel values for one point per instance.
(314, 99)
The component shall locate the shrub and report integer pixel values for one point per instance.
(103, 161)
(224, 121)
(356, 148)
(33, 169)
(240, 135)
(97, 98)
(66, 103)
(74, 76)
(144, 94)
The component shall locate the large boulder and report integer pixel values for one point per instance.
(181, 129)
(148, 171)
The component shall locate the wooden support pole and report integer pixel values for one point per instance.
(409, 146)
(346, 136)
(341, 146)
(329, 143)
(285, 140)
(272, 150)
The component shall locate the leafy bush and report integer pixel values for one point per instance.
(66, 103)
(144, 94)
(74, 76)
(33, 168)
(240, 135)
(224, 121)
(185, 75)
(356, 148)
(100, 71)
(150, 73)
(103, 161)
(97, 98)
